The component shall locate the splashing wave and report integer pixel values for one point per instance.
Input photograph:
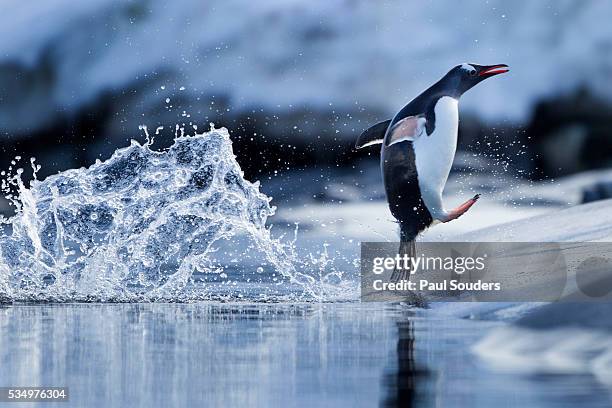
(146, 225)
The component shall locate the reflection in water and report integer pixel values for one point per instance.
(199, 354)
(311, 355)
(402, 385)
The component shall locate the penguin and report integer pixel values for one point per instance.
(417, 153)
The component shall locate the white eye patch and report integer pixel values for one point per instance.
(467, 67)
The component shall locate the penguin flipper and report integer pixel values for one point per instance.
(407, 129)
(373, 135)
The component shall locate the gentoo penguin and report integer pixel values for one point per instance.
(418, 148)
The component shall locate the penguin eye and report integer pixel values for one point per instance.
(472, 72)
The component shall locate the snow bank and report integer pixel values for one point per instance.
(555, 338)
(276, 55)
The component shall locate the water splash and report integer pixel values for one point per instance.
(147, 225)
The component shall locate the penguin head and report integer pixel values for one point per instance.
(465, 76)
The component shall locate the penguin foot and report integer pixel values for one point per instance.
(462, 209)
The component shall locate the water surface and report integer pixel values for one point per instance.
(214, 354)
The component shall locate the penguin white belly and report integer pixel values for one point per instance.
(435, 153)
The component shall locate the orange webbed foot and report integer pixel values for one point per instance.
(462, 209)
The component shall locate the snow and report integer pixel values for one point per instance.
(277, 55)
(496, 216)
(588, 222)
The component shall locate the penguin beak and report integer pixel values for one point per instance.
(490, 70)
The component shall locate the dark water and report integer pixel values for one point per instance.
(227, 355)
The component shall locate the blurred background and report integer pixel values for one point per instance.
(296, 81)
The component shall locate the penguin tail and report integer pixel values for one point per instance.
(407, 247)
